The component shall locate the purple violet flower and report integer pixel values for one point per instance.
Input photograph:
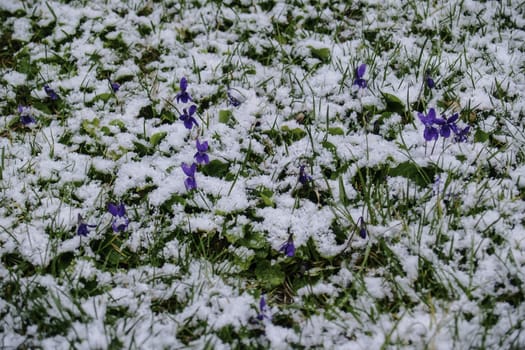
(114, 85)
(201, 156)
(360, 72)
(189, 170)
(25, 115)
(50, 92)
(303, 176)
(461, 134)
(187, 117)
(120, 220)
(429, 81)
(288, 247)
(83, 228)
(183, 95)
(362, 227)
(431, 132)
(447, 124)
(262, 309)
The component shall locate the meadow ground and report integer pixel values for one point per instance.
(262, 174)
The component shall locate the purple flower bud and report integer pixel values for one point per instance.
(303, 176)
(83, 228)
(262, 309)
(114, 85)
(288, 247)
(362, 227)
(183, 96)
(50, 92)
(360, 72)
(183, 84)
(429, 81)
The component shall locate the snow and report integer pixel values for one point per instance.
(15, 78)
(471, 232)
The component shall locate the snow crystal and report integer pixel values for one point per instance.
(15, 78)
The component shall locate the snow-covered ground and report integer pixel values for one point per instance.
(327, 185)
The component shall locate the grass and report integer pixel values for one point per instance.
(440, 266)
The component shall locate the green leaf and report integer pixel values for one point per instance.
(109, 250)
(421, 176)
(393, 103)
(298, 134)
(253, 240)
(266, 196)
(147, 112)
(322, 54)
(329, 146)
(244, 262)
(167, 206)
(230, 237)
(293, 134)
(156, 138)
(167, 116)
(481, 136)
(113, 258)
(119, 123)
(224, 116)
(336, 131)
(102, 97)
(269, 275)
(90, 127)
(25, 64)
(41, 107)
(105, 130)
(216, 168)
(142, 149)
(13, 122)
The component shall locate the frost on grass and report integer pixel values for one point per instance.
(406, 225)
